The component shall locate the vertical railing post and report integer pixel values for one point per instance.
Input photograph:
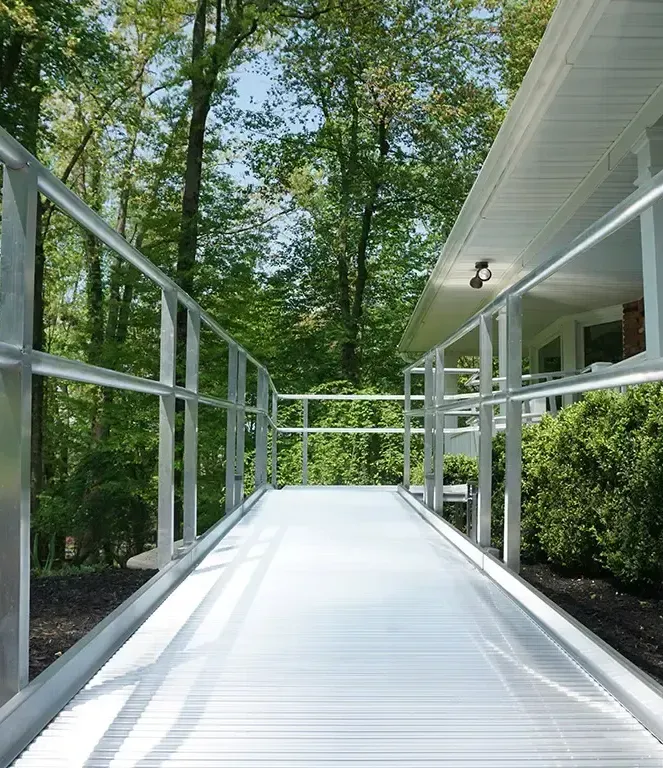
(501, 355)
(305, 441)
(275, 438)
(19, 212)
(429, 420)
(438, 456)
(231, 428)
(166, 509)
(407, 407)
(190, 490)
(485, 429)
(514, 426)
(261, 428)
(241, 426)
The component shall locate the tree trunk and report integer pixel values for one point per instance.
(353, 315)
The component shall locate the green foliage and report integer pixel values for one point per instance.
(592, 486)
(521, 27)
(393, 117)
(320, 212)
(105, 504)
(343, 459)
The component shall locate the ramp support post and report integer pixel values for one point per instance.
(166, 510)
(231, 428)
(240, 413)
(17, 264)
(429, 420)
(514, 428)
(305, 441)
(438, 454)
(407, 422)
(485, 429)
(190, 490)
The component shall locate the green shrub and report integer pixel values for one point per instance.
(632, 513)
(530, 545)
(592, 487)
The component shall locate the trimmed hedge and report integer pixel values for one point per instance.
(593, 486)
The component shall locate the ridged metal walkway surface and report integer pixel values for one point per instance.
(334, 627)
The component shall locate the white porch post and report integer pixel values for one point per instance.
(649, 151)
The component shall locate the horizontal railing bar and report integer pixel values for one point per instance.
(10, 354)
(346, 430)
(448, 370)
(532, 376)
(422, 412)
(587, 382)
(449, 405)
(216, 402)
(16, 156)
(612, 221)
(46, 364)
(368, 430)
(346, 397)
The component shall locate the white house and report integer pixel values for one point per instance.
(585, 129)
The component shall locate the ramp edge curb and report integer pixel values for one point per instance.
(635, 690)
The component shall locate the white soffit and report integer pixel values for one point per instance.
(560, 160)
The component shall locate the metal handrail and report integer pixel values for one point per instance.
(317, 396)
(612, 221)
(24, 177)
(515, 388)
(14, 156)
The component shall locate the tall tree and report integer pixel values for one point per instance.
(521, 27)
(397, 116)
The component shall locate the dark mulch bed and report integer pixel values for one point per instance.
(64, 608)
(630, 622)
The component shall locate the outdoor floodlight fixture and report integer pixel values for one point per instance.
(482, 276)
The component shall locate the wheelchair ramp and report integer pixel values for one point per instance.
(334, 627)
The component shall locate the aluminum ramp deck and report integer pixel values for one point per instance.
(334, 627)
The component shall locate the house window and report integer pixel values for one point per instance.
(603, 343)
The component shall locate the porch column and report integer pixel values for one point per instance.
(649, 152)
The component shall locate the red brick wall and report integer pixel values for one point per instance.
(633, 328)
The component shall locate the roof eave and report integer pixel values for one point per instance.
(569, 27)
